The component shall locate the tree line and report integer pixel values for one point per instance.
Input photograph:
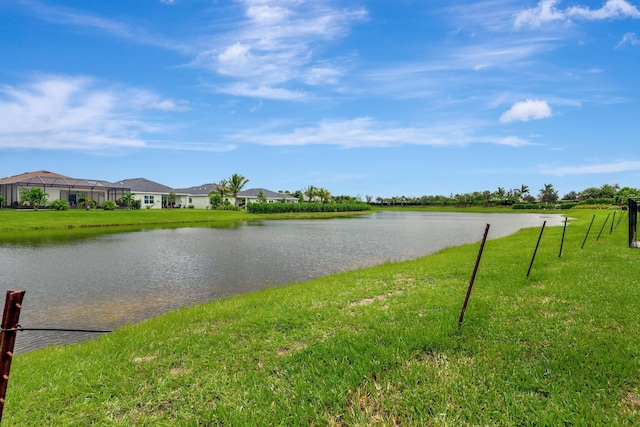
(507, 197)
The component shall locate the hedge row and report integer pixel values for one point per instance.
(260, 208)
(602, 201)
(566, 205)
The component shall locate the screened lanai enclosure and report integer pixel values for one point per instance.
(58, 186)
(633, 223)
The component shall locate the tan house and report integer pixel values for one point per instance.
(58, 186)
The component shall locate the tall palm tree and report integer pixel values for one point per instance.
(235, 185)
(324, 194)
(548, 194)
(310, 192)
(223, 188)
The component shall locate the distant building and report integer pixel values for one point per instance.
(152, 195)
(59, 187)
(198, 196)
(251, 196)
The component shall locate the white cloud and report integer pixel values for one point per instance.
(168, 1)
(276, 44)
(629, 38)
(615, 167)
(62, 15)
(513, 141)
(527, 110)
(260, 91)
(365, 132)
(60, 112)
(612, 9)
(546, 11)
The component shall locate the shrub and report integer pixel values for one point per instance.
(109, 205)
(594, 206)
(279, 207)
(526, 206)
(227, 207)
(601, 201)
(86, 203)
(567, 205)
(59, 205)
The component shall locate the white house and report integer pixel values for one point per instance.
(198, 196)
(152, 195)
(251, 196)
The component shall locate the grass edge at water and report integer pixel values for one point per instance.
(375, 346)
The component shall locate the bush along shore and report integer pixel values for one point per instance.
(269, 208)
(378, 346)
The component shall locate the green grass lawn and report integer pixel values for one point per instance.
(18, 221)
(377, 346)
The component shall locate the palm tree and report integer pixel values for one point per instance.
(127, 199)
(486, 197)
(235, 185)
(36, 197)
(324, 194)
(548, 194)
(171, 199)
(223, 188)
(310, 192)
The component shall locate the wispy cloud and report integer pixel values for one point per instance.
(62, 15)
(629, 38)
(547, 11)
(365, 132)
(513, 141)
(275, 45)
(615, 167)
(78, 113)
(524, 111)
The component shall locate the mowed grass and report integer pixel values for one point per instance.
(378, 346)
(28, 220)
(19, 221)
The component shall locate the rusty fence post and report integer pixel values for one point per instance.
(473, 277)
(10, 317)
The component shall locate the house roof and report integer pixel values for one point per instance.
(144, 185)
(253, 192)
(50, 179)
(198, 190)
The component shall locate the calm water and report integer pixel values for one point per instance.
(109, 280)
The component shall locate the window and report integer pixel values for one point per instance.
(148, 200)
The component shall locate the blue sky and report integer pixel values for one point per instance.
(382, 98)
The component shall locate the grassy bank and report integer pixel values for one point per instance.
(74, 219)
(377, 346)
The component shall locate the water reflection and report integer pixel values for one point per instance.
(100, 281)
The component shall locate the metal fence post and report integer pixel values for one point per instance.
(10, 317)
(473, 276)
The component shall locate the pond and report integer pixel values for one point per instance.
(108, 280)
